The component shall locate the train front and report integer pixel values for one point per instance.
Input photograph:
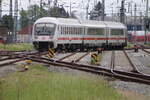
(43, 34)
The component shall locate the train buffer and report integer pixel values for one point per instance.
(51, 53)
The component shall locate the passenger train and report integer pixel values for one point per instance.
(67, 33)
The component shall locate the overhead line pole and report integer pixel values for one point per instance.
(15, 21)
(0, 10)
(10, 9)
(103, 10)
(135, 28)
(146, 19)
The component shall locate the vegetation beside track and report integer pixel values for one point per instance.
(16, 47)
(39, 84)
(129, 45)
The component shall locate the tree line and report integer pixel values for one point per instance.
(34, 12)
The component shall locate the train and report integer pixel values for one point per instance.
(138, 36)
(75, 34)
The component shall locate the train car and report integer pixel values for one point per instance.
(95, 34)
(117, 34)
(139, 36)
(66, 33)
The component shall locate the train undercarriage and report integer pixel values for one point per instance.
(43, 46)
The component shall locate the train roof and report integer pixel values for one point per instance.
(115, 25)
(61, 21)
(91, 23)
(87, 23)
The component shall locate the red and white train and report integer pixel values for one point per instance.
(67, 33)
(139, 36)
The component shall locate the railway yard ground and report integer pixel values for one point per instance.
(26, 74)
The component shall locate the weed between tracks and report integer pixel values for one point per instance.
(39, 84)
(130, 45)
(16, 47)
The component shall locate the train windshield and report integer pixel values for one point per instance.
(44, 29)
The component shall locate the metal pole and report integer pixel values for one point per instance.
(103, 10)
(11, 23)
(0, 10)
(10, 9)
(15, 21)
(49, 7)
(87, 9)
(122, 14)
(135, 9)
(146, 19)
(112, 12)
(70, 8)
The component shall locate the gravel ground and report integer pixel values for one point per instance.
(86, 60)
(133, 87)
(74, 57)
(60, 55)
(4, 71)
(106, 59)
(121, 62)
(141, 60)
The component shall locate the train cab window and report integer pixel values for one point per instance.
(44, 29)
(117, 32)
(95, 31)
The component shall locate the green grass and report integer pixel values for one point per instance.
(148, 44)
(129, 45)
(39, 84)
(16, 47)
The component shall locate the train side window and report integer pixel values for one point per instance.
(117, 32)
(74, 30)
(95, 31)
(65, 30)
(62, 30)
(78, 31)
(71, 30)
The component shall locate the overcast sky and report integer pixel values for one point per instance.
(80, 5)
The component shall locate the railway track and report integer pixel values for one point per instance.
(137, 65)
(74, 57)
(127, 76)
(111, 72)
(13, 57)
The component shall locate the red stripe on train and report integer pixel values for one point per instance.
(91, 38)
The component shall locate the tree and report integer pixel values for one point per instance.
(24, 18)
(58, 12)
(97, 11)
(8, 22)
(35, 12)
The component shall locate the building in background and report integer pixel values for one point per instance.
(25, 35)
